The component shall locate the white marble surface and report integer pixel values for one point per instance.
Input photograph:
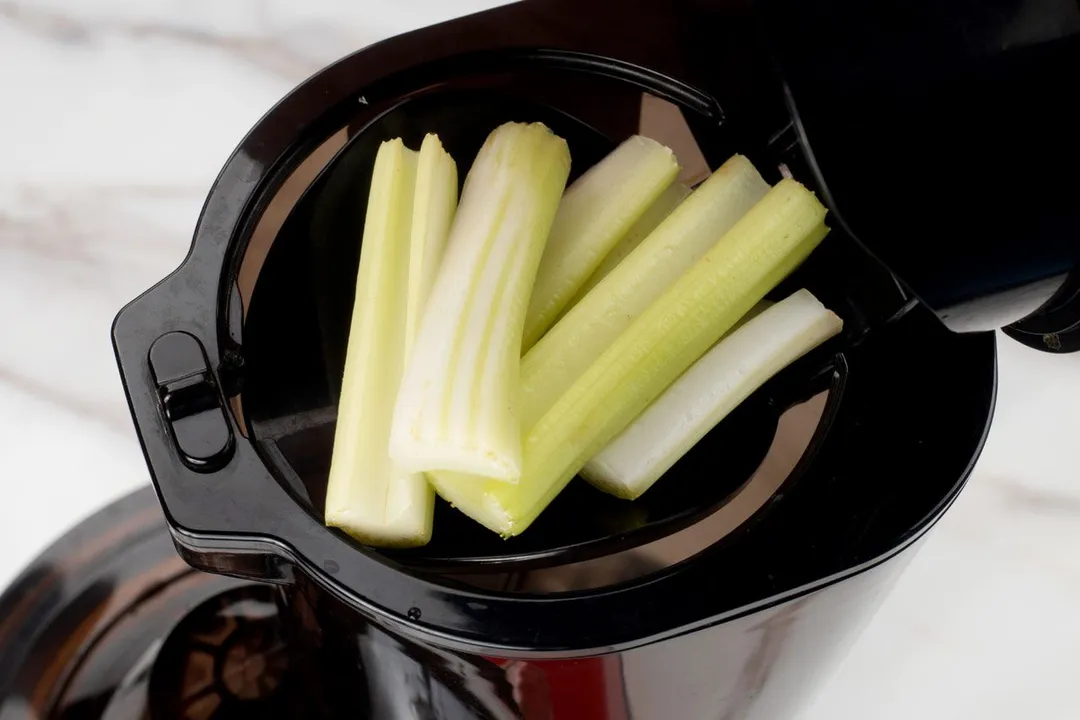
(115, 116)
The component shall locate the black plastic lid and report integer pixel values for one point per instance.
(944, 135)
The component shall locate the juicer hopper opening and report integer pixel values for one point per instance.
(295, 291)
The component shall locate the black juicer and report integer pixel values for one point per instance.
(942, 137)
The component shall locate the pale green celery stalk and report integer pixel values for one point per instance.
(771, 240)
(704, 395)
(597, 211)
(657, 213)
(590, 326)
(457, 406)
(433, 211)
(368, 496)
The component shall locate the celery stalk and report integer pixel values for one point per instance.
(367, 495)
(656, 214)
(773, 238)
(596, 212)
(457, 406)
(714, 386)
(433, 211)
(590, 326)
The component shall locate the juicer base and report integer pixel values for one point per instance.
(110, 623)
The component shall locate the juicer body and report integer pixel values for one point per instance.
(142, 620)
(765, 664)
(747, 627)
(231, 364)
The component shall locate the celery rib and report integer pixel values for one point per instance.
(434, 204)
(457, 406)
(367, 495)
(679, 241)
(773, 238)
(656, 214)
(596, 212)
(704, 395)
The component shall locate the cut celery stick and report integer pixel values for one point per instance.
(714, 386)
(590, 326)
(367, 495)
(771, 240)
(596, 212)
(657, 213)
(433, 211)
(457, 406)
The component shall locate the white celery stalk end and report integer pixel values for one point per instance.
(762, 248)
(367, 495)
(593, 324)
(656, 214)
(435, 201)
(597, 211)
(715, 385)
(457, 406)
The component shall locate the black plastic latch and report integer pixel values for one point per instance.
(193, 405)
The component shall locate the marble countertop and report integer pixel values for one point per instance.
(114, 119)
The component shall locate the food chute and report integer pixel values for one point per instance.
(730, 587)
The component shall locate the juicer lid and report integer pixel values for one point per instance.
(229, 363)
